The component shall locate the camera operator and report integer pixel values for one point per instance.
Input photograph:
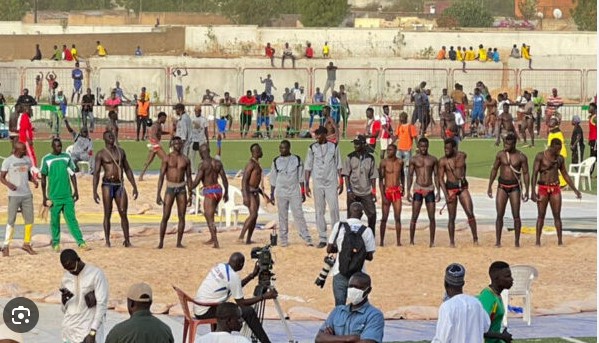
(335, 245)
(223, 281)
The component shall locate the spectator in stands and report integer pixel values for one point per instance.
(26, 99)
(87, 109)
(331, 78)
(138, 52)
(489, 54)
(113, 103)
(335, 104)
(444, 99)
(441, 54)
(228, 319)
(287, 53)
(309, 51)
(247, 102)
(461, 317)
(470, 55)
(317, 98)
(496, 57)
(345, 111)
(452, 54)
(326, 50)
(554, 102)
(74, 53)
(38, 54)
(515, 52)
(526, 54)
(208, 98)
(100, 49)
(482, 54)
(269, 85)
(178, 75)
(57, 55)
(270, 53)
(66, 53)
(358, 321)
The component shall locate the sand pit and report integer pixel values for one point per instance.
(404, 276)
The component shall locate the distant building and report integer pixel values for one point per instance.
(548, 6)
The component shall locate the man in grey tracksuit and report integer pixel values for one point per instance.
(323, 163)
(287, 187)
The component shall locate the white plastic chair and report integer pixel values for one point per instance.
(229, 209)
(80, 164)
(581, 172)
(523, 276)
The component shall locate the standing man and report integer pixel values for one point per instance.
(330, 125)
(490, 298)
(143, 112)
(270, 53)
(577, 141)
(199, 136)
(269, 85)
(425, 169)
(386, 135)
(154, 135)
(538, 102)
(526, 54)
(287, 186)
(462, 317)
(83, 149)
(16, 174)
(478, 112)
(113, 125)
(528, 124)
(208, 173)
(452, 177)
(548, 166)
(228, 319)
(358, 321)
(142, 326)
(247, 103)
(177, 170)
(360, 174)
(335, 245)
(373, 128)
(317, 100)
(331, 78)
(178, 75)
(84, 297)
(26, 129)
(323, 163)
(391, 181)
(505, 122)
(593, 132)
(77, 76)
(222, 282)
(183, 129)
(554, 102)
(57, 169)
(405, 135)
(112, 160)
(344, 108)
(251, 191)
(512, 165)
(87, 109)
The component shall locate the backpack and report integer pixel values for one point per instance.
(353, 251)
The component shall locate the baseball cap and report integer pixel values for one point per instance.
(454, 274)
(140, 292)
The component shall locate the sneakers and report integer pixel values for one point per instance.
(321, 245)
(56, 248)
(84, 247)
(28, 249)
(5, 252)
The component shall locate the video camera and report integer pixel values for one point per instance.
(264, 257)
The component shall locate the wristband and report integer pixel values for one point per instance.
(341, 180)
(374, 191)
(303, 190)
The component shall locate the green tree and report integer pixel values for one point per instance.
(414, 6)
(470, 13)
(13, 10)
(585, 14)
(528, 8)
(71, 5)
(323, 13)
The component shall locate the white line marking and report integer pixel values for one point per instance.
(571, 340)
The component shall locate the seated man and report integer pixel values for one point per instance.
(223, 281)
(228, 318)
(83, 149)
(358, 321)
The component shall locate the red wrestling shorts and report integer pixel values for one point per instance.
(213, 192)
(547, 190)
(393, 193)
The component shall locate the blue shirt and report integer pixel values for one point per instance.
(366, 321)
(496, 56)
(77, 76)
(477, 103)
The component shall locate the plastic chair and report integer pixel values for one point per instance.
(581, 172)
(80, 164)
(523, 276)
(191, 323)
(228, 209)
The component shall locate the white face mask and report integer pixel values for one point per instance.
(354, 295)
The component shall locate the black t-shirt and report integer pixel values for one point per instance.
(88, 99)
(26, 100)
(452, 55)
(577, 135)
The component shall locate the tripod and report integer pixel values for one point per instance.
(266, 282)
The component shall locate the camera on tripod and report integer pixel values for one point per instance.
(329, 262)
(264, 257)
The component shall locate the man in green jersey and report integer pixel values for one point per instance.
(490, 298)
(56, 169)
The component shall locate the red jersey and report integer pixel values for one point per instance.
(309, 52)
(68, 56)
(247, 101)
(374, 127)
(25, 128)
(386, 126)
(269, 52)
(593, 128)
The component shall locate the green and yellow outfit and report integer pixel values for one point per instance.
(58, 169)
(493, 305)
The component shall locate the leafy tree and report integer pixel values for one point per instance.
(323, 13)
(585, 14)
(71, 5)
(13, 10)
(528, 8)
(414, 6)
(470, 13)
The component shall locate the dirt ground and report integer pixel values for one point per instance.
(402, 276)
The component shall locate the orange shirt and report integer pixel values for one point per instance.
(441, 54)
(405, 135)
(143, 108)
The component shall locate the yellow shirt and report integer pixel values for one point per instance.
(564, 152)
(469, 55)
(482, 55)
(101, 50)
(325, 50)
(74, 54)
(525, 53)
(459, 55)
